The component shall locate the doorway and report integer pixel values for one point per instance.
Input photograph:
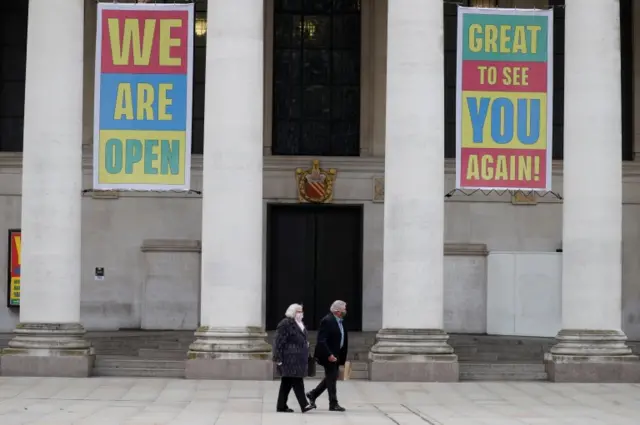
(314, 257)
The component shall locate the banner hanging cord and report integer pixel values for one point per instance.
(487, 192)
(515, 6)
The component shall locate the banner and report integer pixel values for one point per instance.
(14, 264)
(143, 97)
(504, 99)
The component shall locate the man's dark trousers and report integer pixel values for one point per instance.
(331, 372)
(330, 343)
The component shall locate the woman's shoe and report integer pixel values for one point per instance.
(312, 399)
(307, 408)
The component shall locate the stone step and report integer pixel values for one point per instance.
(512, 376)
(360, 366)
(465, 349)
(502, 372)
(168, 346)
(477, 357)
(139, 373)
(356, 375)
(509, 349)
(148, 353)
(121, 362)
(153, 343)
(123, 346)
(501, 353)
(455, 339)
(507, 357)
(470, 348)
(173, 351)
(502, 367)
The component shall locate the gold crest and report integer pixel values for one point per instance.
(315, 185)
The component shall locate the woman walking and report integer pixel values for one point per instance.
(291, 354)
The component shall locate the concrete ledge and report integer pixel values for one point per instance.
(593, 369)
(466, 250)
(440, 369)
(230, 369)
(171, 245)
(71, 366)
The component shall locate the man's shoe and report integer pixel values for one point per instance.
(285, 410)
(312, 399)
(307, 408)
(337, 408)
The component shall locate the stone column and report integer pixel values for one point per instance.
(231, 342)
(591, 346)
(412, 345)
(49, 339)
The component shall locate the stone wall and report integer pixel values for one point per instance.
(115, 228)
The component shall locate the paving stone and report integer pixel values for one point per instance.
(143, 401)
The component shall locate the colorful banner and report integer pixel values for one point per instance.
(13, 270)
(143, 97)
(504, 99)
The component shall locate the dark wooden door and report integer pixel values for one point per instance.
(290, 250)
(338, 270)
(314, 256)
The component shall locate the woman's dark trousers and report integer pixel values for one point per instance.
(286, 384)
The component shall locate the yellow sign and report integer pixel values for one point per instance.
(14, 266)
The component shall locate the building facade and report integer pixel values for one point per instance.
(366, 88)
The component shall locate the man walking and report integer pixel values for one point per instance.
(331, 353)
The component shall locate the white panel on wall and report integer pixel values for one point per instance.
(538, 302)
(500, 294)
(524, 292)
(171, 288)
(465, 294)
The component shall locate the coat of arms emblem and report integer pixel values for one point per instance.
(315, 185)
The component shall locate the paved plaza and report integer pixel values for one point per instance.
(138, 401)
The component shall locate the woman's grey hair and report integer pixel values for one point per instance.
(338, 306)
(291, 311)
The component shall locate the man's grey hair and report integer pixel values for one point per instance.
(338, 306)
(292, 310)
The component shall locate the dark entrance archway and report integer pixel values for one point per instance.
(314, 256)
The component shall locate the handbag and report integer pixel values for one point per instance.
(345, 372)
(311, 367)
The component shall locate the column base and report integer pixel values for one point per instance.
(49, 350)
(592, 356)
(413, 355)
(230, 354)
